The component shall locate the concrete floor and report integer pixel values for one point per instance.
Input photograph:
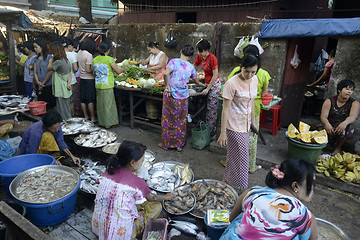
(335, 206)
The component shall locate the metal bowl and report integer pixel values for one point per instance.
(171, 165)
(112, 138)
(76, 120)
(233, 191)
(180, 213)
(303, 143)
(55, 169)
(329, 231)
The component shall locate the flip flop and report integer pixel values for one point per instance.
(160, 145)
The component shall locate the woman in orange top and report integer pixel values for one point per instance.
(157, 61)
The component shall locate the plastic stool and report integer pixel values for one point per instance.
(275, 121)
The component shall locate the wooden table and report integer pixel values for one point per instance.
(142, 96)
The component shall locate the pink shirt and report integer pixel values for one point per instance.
(242, 97)
(115, 204)
(84, 57)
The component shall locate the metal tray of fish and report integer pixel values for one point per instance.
(166, 176)
(76, 120)
(211, 194)
(183, 203)
(44, 184)
(95, 139)
(71, 128)
(90, 174)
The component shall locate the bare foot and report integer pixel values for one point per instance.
(160, 145)
(179, 149)
(336, 151)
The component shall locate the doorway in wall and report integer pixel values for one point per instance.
(186, 17)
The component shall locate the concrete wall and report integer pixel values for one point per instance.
(346, 66)
(133, 39)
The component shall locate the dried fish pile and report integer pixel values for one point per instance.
(90, 175)
(95, 139)
(13, 103)
(74, 127)
(45, 186)
(166, 176)
(211, 194)
(183, 203)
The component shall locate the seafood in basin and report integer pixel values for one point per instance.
(95, 139)
(211, 194)
(166, 176)
(183, 203)
(75, 127)
(44, 186)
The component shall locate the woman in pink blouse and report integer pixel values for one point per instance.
(237, 116)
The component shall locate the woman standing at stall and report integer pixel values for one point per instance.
(71, 56)
(237, 115)
(209, 64)
(175, 100)
(124, 203)
(4, 68)
(41, 75)
(104, 67)
(61, 79)
(87, 79)
(263, 81)
(157, 61)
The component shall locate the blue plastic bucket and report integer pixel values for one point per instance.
(11, 167)
(52, 213)
(214, 232)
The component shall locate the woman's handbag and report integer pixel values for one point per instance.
(200, 135)
(170, 41)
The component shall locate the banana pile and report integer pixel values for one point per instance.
(345, 167)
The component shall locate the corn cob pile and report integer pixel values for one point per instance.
(345, 167)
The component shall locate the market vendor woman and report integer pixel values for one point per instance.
(46, 137)
(157, 61)
(124, 203)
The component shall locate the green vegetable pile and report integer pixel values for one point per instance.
(156, 90)
(132, 71)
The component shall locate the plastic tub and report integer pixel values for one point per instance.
(214, 232)
(51, 213)
(159, 224)
(308, 152)
(11, 167)
(37, 108)
(266, 99)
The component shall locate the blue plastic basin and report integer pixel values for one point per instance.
(49, 214)
(11, 167)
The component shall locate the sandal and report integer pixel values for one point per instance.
(160, 145)
(223, 162)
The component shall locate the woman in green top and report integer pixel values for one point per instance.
(263, 81)
(61, 79)
(4, 67)
(104, 67)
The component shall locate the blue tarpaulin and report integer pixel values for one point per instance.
(289, 28)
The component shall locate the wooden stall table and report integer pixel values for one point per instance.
(142, 96)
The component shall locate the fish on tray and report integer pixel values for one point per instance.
(166, 177)
(181, 204)
(95, 139)
(90, 176)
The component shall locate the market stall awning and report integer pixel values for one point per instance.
(17, 17)
(289, 28)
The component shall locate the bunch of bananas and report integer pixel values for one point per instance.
(345, 167)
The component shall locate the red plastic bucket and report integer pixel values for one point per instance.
(37, 108)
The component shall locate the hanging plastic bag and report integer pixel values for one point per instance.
(170, 41)
(295, 61)
(320, 64)
(255, 41)
(238, 51)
